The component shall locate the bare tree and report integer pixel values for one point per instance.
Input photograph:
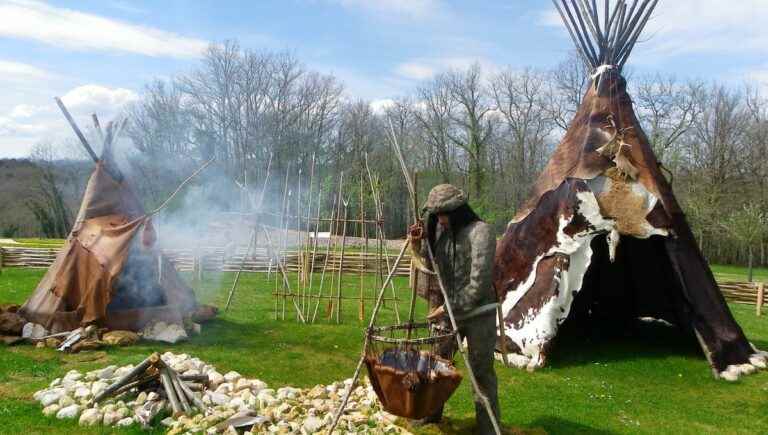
(474, 128)
(747, 226)
(434, 117)
(520, 97)
(718, 135)
(49, 206)
(666, 109)
(568, 83)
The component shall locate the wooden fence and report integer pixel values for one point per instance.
(752, 293)
(216, 259)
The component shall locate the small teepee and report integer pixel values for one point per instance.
(602, 236)
(109, 272)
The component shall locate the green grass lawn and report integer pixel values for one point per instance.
(649, 380)
(35, 243)
(738, 273)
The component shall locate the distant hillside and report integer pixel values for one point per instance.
(20, 182)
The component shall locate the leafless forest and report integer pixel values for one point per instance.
(488, 131)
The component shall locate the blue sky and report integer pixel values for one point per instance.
(99, 54)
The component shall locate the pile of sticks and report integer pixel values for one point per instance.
(153, 374)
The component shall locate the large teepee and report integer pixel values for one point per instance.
(109, 271)
(602, 236)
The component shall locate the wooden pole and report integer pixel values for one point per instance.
(334, 231)
(251, 243)
(380, 233)
(366, 342)
(128, 377)
(170, 391)
(1, 260)
(361, 314)
(308, 266)
(760, 297)
(503, 336)
(76, 129)
(284, 224)
(341, 261)
(286, 282)
(414, 272)
(314, 252)
(325, 262)
(199, 266)
(176, 383)
(300, 271)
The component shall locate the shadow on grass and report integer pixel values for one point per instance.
(577, 345)
(541, 426)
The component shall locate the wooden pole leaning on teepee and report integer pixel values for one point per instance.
(367, 341)
(76, 129)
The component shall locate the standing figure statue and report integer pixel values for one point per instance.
(464, 247)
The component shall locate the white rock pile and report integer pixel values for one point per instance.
(285, 410)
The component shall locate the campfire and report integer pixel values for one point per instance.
(153, 375)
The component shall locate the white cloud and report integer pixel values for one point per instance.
(403, 8)
(10, 127)
(16, 71)
(426, 68)
(95, 98)
(709, 26)
(27, 124)
(31, 19)
(24, 111)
